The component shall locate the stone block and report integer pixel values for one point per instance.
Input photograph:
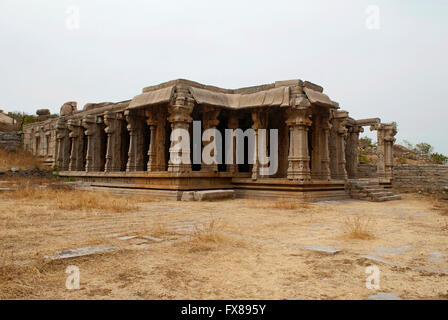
(80, 252)
(208, 195)
(377, 259)
(187, 196)
(383, 296)
(327, 250)
(152, 238)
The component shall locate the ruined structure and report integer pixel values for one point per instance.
(129, 144)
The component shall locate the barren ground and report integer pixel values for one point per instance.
(247, 253)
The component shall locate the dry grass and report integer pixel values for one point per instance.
(210, 231)
(206, 236)
(358, 228)
(283, 204)
(59, 196)
(160, 230)
(18, 159)
(441, 207)
(7, 127)
(444, 226)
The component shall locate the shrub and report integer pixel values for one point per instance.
(439, 158)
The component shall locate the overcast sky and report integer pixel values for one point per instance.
(390, 63)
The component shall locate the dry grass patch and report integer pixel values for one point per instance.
(206, 236)
(358, 228)
(87, 201)
(18, 159)
(441, 207)
(279, 204)
(66, 198)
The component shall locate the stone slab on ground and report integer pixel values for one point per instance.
(81, 252)
(442, 272)
(393, 250)
(187, 196)
(127, 237)
(328, 250)
(208, 195)
(436, 257)
(152, 238)
(374, 258)
(383, 296)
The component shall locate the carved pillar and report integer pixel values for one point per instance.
(260, 121)
(298, 121)
(151, 121)
(113, 130)
(210, 121)
(180, 118)
(94, 133)
(232, 123)
(340, 122)
(384, 150)
(156, 121)
(62, 145)
(325, 127)
(77, 152)
(390, 131)
(135, 121)
(351, 148)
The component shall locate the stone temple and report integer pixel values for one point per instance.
(127, 145)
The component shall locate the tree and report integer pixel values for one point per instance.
(366, 142)
(424, 148)
(408, 145)
(439, 158)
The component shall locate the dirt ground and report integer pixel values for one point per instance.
(234, 249)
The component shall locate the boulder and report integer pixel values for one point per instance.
(68, 108)
(43, 112)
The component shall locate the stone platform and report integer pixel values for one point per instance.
(166, 185)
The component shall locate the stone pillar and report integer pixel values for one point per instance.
(77, 152)
(232, 123)
(113, 130)
(94, 132)
(325, 127)
(62, 145)
(384, 150)
(151, 121)
(341, 119)
(351, 148)
(260, 121)
(180, 110)
(135, 121)
(389, 132)
(298, 121)
(210, 121)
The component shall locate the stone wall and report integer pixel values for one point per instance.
(425, 178)
(10, 140)
(366, 170)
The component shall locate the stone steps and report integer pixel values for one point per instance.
(369, 190)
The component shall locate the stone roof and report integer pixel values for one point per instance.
(266, 95)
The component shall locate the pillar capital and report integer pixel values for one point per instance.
(299, 116)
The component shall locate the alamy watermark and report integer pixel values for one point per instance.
(373, 19)
(72, 19)
(72, 281)
(373, 280)
(261, 149)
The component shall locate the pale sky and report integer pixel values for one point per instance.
(396, 71)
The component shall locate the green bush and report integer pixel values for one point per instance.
(439, 158)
